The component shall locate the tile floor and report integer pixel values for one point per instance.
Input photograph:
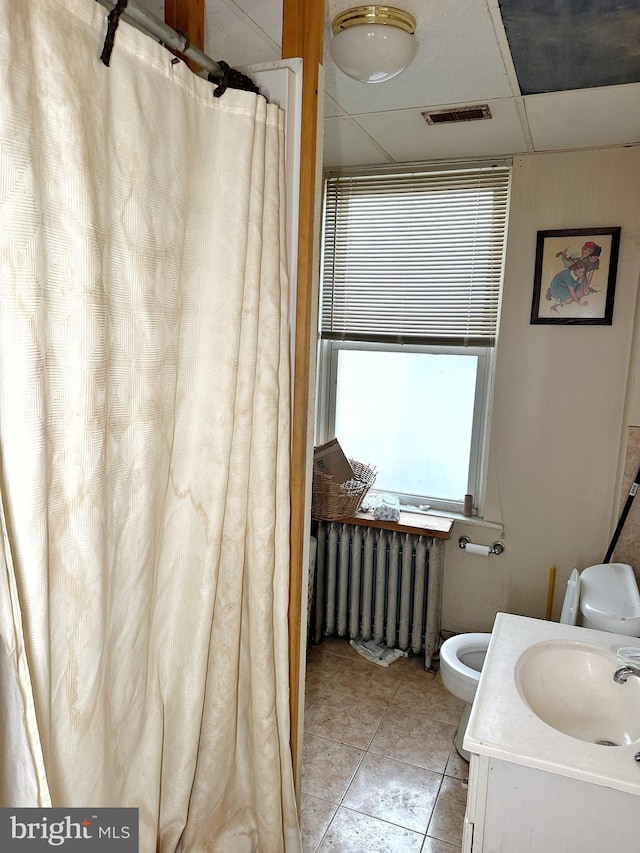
(380, 773)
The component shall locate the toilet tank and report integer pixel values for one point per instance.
(609, 599)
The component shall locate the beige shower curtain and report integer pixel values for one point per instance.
(144, 438)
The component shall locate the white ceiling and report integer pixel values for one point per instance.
(462, 58)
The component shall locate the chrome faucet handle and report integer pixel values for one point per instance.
(629, 654)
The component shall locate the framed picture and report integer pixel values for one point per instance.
(575, 276)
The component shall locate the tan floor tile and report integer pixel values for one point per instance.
(430, 696)
(414, 737)
(448, 815)
(311, 695)
(432, 845)
(328, 768)
(345, 719)
(394, 791)
(363, 679)
(316, 815)
(413, 667)
(389, 791)
(316, 675)
(337, 646)
(351, 832)
(322, 663)
(456, 765)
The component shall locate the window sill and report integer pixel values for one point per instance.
(473, 520)
(419, 523)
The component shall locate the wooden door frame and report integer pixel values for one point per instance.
(302, 36)
(187, 18)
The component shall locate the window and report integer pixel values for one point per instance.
(411, 275)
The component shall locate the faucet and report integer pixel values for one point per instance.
(620, 675)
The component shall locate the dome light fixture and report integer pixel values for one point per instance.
(373, 43)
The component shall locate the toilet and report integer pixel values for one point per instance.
(461, 659)
(604, 597)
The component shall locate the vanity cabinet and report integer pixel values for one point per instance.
(512, 808)
(536, 787)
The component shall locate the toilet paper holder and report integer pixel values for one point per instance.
(497, 548)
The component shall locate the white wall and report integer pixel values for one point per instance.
(563, 398)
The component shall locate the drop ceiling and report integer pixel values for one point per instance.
(556, 75)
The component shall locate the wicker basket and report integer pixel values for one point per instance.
(331, 501)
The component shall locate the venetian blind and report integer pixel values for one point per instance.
(414, 257)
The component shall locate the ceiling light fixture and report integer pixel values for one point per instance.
(373, 43)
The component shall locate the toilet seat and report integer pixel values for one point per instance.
(459, 678)
(462, 644)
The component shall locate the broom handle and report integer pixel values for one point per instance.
(623, 516)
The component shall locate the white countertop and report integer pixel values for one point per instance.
(503, 726)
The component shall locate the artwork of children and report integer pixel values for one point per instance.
(573, 283)
(575, 278)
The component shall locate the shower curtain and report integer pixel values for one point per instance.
(144, 439)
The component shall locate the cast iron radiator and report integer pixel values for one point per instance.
(378, 584)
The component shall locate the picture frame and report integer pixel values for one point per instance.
(575, 276)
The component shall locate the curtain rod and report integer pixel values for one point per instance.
(141, 18)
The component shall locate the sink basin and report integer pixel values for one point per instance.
(569, 685)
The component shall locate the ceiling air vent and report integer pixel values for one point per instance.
(457, 114)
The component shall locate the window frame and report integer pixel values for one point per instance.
(327, 379)
(484, 346)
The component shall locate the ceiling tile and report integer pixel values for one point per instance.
(407, 137)
(458, 59)
(331, 109)
(345, 144)
(585, 118)
(267, 14)
(573, 44)
(231, 36)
